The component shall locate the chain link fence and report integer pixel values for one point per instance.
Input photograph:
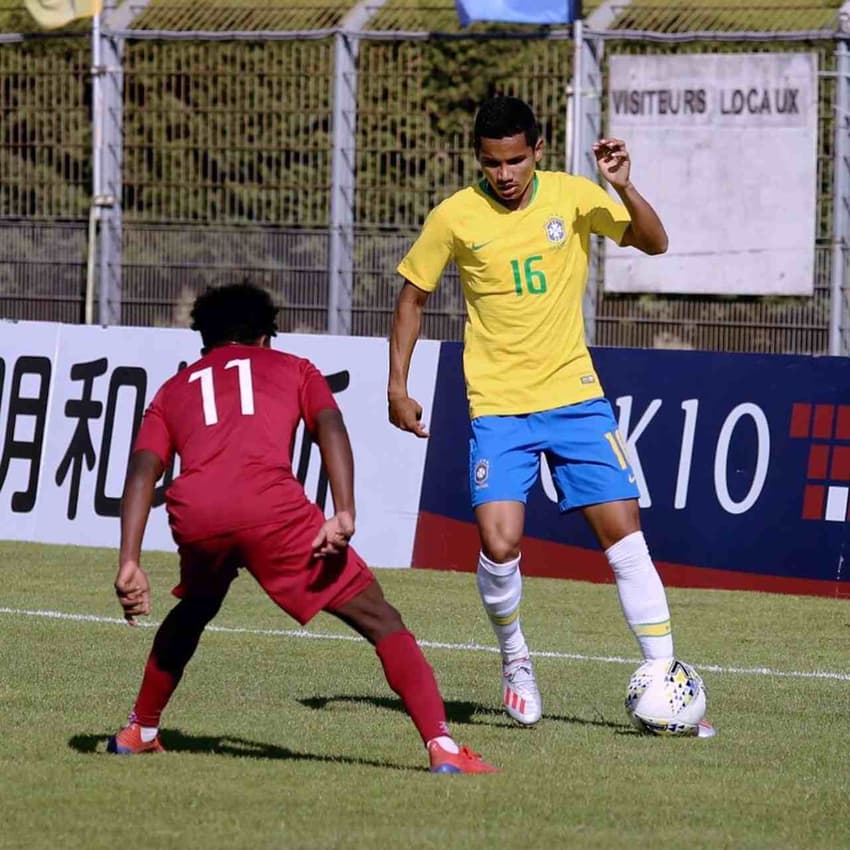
(227, 147)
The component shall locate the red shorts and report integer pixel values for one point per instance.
(280, 558)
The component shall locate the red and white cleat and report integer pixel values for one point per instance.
(464, 761)
(705, 730)
(128, 742)
(520, 695)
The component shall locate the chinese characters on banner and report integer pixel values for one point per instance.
(72, 399)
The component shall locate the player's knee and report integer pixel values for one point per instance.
(389, 621)
(500, 541)
(612, 521)
(500, 527)
(500, 550)
(371, 615)
(381, 622)
(201, 609)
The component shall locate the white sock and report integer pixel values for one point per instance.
(148, 733)
(642, 595)
(447, 743)
(500, 588)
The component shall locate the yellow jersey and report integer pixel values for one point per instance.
(523, 274)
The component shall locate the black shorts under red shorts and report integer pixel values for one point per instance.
(280, 558)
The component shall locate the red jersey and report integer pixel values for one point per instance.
(231, 417)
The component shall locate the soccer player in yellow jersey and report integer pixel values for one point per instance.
(521, 240)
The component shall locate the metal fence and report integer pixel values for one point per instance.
(302, 147)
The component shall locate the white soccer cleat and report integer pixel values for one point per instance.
(705, 729)
(520, 695)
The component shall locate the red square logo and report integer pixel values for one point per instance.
(801, 420)
(824, 416)
(818, 461)
(840, 463)
(842, 423)
(813, 501)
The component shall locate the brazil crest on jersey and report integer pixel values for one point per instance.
(523, 274)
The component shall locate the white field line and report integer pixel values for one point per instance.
(431, 644)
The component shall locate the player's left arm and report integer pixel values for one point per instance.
(645, 231)
(331, 435)
(131, 583)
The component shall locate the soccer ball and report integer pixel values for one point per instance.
(666, 697)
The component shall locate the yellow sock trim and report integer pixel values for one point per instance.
(505, 619)
(652, 629)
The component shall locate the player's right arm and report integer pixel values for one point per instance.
(131, 583)
(405, 412)
(152, 452)
(421, 269)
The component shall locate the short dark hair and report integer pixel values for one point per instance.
(238, 312)
(503, 116)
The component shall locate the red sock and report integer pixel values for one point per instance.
(157, 687)
(174, 644)
(411, 677)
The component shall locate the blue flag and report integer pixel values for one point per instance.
(518, 11)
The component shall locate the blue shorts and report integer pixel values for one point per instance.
(584, 450)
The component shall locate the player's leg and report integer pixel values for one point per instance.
(591, 471)
(641, 591)
(498, 576)
(499, 583)
(280, 558)
(405, 667)
(409, 675)
(642, 596)
(504, 464)
(205, 578)
(174, 644)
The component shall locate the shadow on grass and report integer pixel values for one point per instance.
(463, 712)
(456, 712)
(175, 741)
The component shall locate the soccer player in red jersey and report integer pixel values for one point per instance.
(231, 417)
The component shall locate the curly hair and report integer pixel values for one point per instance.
(238, 312)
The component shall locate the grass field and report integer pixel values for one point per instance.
(278, 740)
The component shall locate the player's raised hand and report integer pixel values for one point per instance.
(334, 535)
(133, 591)
(406, 413)
(613, 161)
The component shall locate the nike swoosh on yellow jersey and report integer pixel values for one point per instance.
(477, 246)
